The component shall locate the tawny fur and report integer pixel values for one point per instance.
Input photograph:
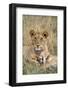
(38, 51)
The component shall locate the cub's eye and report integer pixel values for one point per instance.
(32, 33)
(45, 34)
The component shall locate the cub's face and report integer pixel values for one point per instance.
(39, 40)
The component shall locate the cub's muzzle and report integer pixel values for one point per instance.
(38, 50)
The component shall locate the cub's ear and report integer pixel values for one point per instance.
(45, 34)
(32, 33)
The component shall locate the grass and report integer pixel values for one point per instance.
(34, 68)
(41, 23)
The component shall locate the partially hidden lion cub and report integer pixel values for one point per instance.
(38, 51)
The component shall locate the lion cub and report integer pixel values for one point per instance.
(38, 51)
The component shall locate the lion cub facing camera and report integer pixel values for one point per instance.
(38, 51)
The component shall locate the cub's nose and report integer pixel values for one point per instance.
(38, 45)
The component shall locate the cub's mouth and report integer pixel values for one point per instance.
(38, 50)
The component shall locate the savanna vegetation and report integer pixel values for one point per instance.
(48, 23)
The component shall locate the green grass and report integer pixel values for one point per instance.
(34, 68)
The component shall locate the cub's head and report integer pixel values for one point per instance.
(39, 40)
